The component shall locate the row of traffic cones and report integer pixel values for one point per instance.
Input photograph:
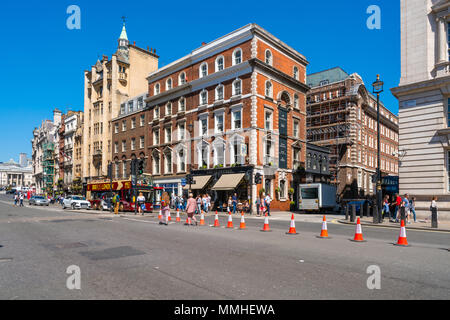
(402, 240)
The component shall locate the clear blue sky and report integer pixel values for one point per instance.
(43, 61)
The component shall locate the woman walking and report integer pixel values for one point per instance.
(191, 206)
(165, 208)
(141, 202)
(386, 208)
(412, 205)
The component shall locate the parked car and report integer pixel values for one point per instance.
(76, 202)
(38, 201)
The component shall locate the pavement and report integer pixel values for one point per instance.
(132, 257)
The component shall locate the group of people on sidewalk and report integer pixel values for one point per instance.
(18, 199)
(393, 209)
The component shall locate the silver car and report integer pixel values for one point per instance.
(38, 201)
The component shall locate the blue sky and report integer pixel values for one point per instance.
(43, 61)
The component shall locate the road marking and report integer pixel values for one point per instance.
(6, 259)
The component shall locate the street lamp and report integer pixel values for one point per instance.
(377, 89)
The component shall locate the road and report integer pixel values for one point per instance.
(135, 258)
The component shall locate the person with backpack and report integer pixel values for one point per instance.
(116, 202)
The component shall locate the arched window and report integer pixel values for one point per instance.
(203, 155)
(219, 92)
(295, 73)
(168, 109)
(237, 87)
(182, 78)
(268, 57)
(181, 160)
(157, 89)
(269, 89)
(182, 105)
(168, 167)
(220, 63)
(237, 56)
(156, 162)
(203, 97)
(203, 71)
(169, 84)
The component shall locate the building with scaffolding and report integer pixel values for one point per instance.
(45, 154)
(342, 115)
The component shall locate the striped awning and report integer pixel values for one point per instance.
(228, 182)
(200, 183)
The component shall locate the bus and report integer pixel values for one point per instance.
(99, 195)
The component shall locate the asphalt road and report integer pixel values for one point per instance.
(135, 258)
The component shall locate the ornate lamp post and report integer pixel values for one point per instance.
(377, 89)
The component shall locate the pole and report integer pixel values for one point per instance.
(434, 220)
(379, 191)
(134, 178)
(110, 188)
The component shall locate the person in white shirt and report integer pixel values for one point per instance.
(140, 201)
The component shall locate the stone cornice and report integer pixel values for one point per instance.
(438, 83)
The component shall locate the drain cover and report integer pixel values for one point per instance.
(112, 253)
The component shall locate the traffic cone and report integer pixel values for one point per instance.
(230, 221)
(242, 225)
(160, 215)
(266, 227)
(324, 233)
(402, 241)
(202, 219)
(292, 230)
(189, 222)
(178, 215)
(169, 218)
(358, 233)
(216, 221)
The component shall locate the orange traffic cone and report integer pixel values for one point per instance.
(402, 241)
(266, 227)
(202, 219)
(292, 230)
(358, 233)
(324, 233)
(189, 222)
(230, 221)
(160, 215)
(216, 221)
(242, 225)
(169, 218)
(178, 215)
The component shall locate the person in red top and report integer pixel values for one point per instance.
(398, 202)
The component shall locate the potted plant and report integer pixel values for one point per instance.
(292, 205)
(261, 192)
(291, 193)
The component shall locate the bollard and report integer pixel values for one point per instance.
(353, 217)
(367, 209)
(347, 211)
(361, 211)
(375, 213)
(434, 218)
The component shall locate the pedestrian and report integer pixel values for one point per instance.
(405, 205)
(433, 207)
(386, 208)
(116, 202)
(191, 206)
(165, 208)
(229, 204)
(141, 203)
(235, 201)
(412, 207)
(398, 202)
(267, 201)
(258, 204)
(16, 199)
(21, 197)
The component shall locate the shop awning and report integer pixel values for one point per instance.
(200, 183)
(228, 182)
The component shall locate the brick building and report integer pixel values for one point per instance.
(342, 114)
(230, 109)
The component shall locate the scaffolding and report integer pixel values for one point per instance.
(49, 165)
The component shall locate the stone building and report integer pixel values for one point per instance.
(108, 84)
(71, 125)
(229, 110)
(342, 115)
(424, 103)
(13, 174)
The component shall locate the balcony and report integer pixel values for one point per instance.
(97, 157)
(123, 77)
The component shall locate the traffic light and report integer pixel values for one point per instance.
(258, 178)
(141, 166)
(133, 167)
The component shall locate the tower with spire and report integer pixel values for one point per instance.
(123, 50)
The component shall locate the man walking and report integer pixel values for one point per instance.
(21, 197)
(234, 199)
(267, 201)
(116, 202)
